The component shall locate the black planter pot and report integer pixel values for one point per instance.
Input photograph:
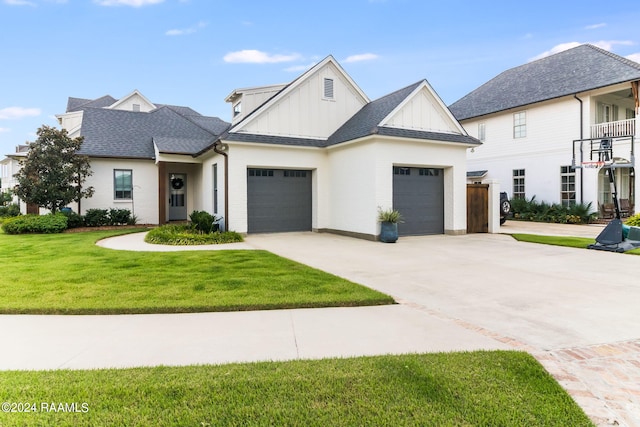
(388, 232)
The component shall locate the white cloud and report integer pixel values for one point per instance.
(132, 3)
(15, 113)
(5, 130)
(556, 49)
(31, 3)
(634, 57)
(609, 44)
(185, 31)
(595, 26)
(257, 57)
(603, 44)
(361, 57)
(19, 3)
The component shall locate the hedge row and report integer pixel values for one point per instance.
(52, 223)
(532, 210)
(57, 223)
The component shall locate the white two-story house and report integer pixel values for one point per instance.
(312, 155)
(538, 123)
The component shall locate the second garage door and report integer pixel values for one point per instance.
(418, 193)
(278, 200)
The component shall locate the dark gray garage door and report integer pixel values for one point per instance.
(278, 200)
(418, 193)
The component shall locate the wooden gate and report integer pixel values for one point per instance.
(477, 208)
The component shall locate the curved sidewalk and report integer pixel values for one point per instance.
(135, 242)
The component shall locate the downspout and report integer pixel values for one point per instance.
(221, 148)
(581, 151)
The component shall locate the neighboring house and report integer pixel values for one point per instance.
(9, 166)
(528, 118)
(315, 154)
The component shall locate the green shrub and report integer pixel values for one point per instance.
(633, 221)
(51, 223)
(389, 215)
(119, 216)
(74, 220)
(96, 217)
(532, 210)
(133, 220)
(186, 235)
(9, 210)
(203, 221)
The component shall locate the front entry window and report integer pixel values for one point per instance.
(177, 197)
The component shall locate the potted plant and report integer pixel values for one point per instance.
(389, 219)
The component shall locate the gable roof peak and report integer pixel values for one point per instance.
(288, 88)
(124, 99)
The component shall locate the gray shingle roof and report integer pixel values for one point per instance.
(477, 174)
(364, 123)
(118, 133)
(585, 67)
(433, 136)
(77, 104)
(273, 139)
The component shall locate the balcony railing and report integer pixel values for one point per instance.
(614, 129)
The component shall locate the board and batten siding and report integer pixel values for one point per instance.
(423, 112)
(304, 112)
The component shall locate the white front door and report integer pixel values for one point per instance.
(177, 197)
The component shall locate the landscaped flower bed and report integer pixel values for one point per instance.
(188, 235)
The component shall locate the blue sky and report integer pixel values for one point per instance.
(195, 52)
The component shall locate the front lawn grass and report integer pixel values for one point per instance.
(69, 274)
(572, 242)
(487, 388)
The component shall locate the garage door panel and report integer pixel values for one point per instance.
(278, 200)
(418, 193)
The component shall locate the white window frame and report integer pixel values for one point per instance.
(567, 186)
(122, 190)
(482, 131)
(518, 180)
(520, 125)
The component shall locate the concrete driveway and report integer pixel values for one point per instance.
(545, 296)
(577, 311)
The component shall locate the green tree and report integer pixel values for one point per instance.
(53, 173)
(5, 197)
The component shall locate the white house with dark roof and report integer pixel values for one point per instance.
(528, 118)
(314, 154)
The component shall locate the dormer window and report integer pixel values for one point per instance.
(328, 88)
(136, 108)
(237, 109)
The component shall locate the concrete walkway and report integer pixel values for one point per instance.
(575, 310)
